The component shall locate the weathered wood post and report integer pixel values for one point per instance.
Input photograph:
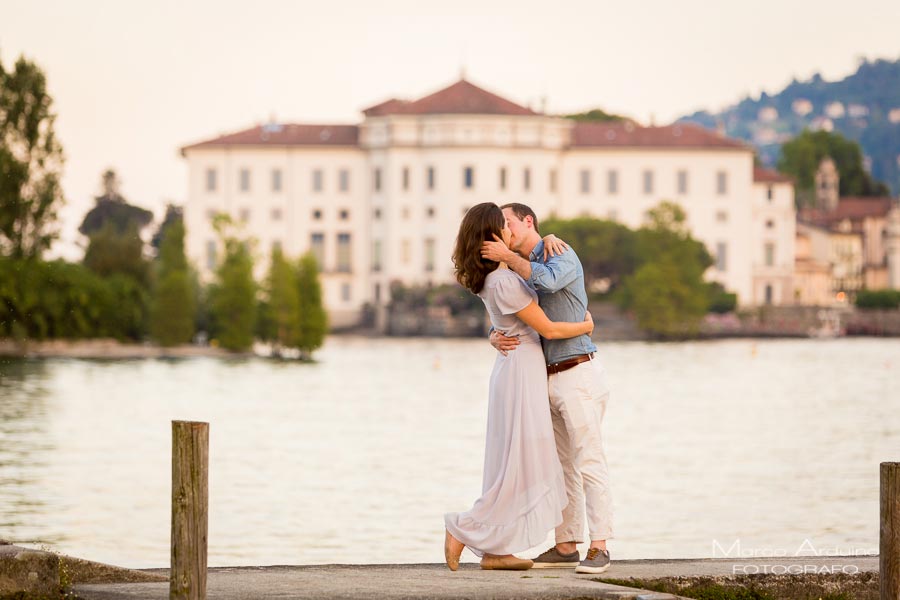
(889, 550)
(190, 503)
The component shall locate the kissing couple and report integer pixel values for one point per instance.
(544, 464)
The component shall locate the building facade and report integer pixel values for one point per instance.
(863, 233)
(381, 201)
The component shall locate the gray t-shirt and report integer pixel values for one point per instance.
(504, 294)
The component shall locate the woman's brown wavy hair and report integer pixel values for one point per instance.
(480, 224)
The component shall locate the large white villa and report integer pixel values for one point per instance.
(381, 201)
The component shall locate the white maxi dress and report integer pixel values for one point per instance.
(523, 490)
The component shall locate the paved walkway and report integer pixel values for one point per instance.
(393, 582)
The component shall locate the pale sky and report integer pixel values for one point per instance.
(133, 81)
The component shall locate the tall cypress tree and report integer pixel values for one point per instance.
(280, 314)
(172, 308)
(313, 322)
(233, 297)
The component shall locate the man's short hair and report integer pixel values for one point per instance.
(522, 211)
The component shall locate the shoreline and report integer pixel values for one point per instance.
(104, 348)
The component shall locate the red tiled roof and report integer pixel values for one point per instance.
(286, 135)
(859, 207)
(854, 208)
(463, 97)
(679, 135)
(770, 176)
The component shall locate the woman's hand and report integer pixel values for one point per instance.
(588, 317)
(553, 246)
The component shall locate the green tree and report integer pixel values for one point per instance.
(112, 208)
(667, 292)
(801, 156)
(280, 312)
(664, 302)
(607, 249)
(173, 308)
(110, 251)
(313, 322)
(31, 160)
(232, 297)
(57, 299)
(597, 115)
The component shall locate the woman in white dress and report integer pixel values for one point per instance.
(523, 492)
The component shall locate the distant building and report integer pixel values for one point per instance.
(863, 247)
(802, 107)
(835, 110)
(380, 202)
(768, 114)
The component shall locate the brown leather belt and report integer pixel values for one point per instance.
(568, 363)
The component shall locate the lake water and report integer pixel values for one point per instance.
(714, 449)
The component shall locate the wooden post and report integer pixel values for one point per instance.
(889, 550)
(190, 503)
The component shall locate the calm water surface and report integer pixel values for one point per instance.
(714, 447)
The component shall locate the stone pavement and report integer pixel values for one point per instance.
(394, 582)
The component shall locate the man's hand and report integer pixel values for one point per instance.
(553, 246)
(589, 317)
(502, 343)
(496, 251)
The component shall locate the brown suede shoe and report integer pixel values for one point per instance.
(505, 563)
(451, 557)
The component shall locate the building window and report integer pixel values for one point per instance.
(721, 183)
(721, 216)
(612, 181)
(211, 254)
(469, 177)
(317, 247)
(376, 179)
(612, 215)
(404, 252)
(276, 246)
(245, 180)
(430, 175)
(552, 180)
(244, 215)
(769, 293)
(276, 180)
(770, 193)
(721, 256)
(526, 179)
(502, 178)
(345, 292)
(377, 213)
(376, 256)
(648, 181)
(210, 180)
(682, 182)
(276, 214)
(344, 180)
(429, 254)
(377, 293)
(770, 254)
(211, 214)
(430, 212)
(344, 214)
(317, 180)
(343, 252)
(405, 178)
(585, 177)
(770, 224)
(317, 214)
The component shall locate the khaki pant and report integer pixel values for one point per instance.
(578, 398)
